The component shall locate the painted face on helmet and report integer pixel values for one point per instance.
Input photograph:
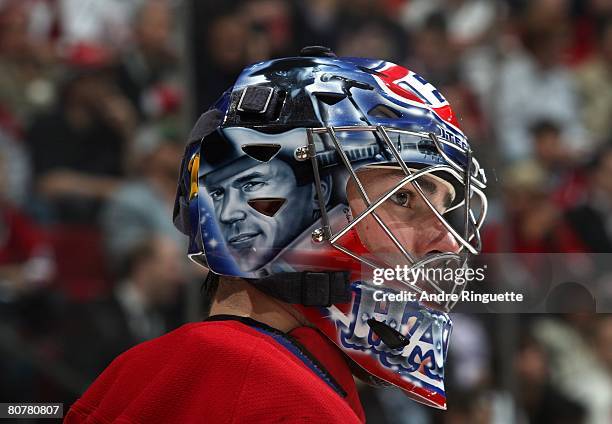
(259, 210)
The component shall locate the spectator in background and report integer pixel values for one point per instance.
(603, 342)
(143, 206)
(27, 270)
(565, 181)
(315, 21)
(575, 369)
(27, 74)
(366, 30)
(534, 84)
(469, 21)
(360, 34)
(16, 170)
(548, 148)
(26, 262)
(141, 307)
(432, 52)
(471, 407)
(387, 405)
(270, 24)
(538, 400)
(148, 68)
(591, 219)
(532, 222)
(97, 21)
(470, 349)
(241, 33)
(369, 39)
(78, 148)
(226, 40)
(587, 17)
(594, 80)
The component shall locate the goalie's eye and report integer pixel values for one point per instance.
(402, 198)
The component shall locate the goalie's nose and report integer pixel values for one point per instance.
(434, 237)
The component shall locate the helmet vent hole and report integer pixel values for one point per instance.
(382, 111)
(330, 98)
(268, 206)
(261, 152)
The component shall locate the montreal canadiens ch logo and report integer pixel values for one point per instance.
(407, 87)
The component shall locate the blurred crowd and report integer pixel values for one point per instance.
(91, 138)
(95, 101)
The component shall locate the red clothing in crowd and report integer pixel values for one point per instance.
(506, 238)
(20, 238)
(228, 369)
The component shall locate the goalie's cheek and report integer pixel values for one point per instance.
(433, 236)
(378, 242)
(418, 230)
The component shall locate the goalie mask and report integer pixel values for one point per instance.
(313, 175)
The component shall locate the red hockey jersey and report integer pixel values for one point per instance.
(224, 370)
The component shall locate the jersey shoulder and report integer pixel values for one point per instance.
(196, 363)
(217, 369)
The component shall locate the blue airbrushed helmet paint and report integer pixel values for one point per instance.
(249, 196)
(314, 92)
(314, 80)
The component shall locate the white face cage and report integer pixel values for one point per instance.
(472, 178)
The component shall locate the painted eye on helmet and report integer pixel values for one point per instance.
(216, 194)
(252, 186)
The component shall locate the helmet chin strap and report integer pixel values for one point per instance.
(307, 288)
(322, 289)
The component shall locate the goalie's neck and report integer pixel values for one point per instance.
(235, 296)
